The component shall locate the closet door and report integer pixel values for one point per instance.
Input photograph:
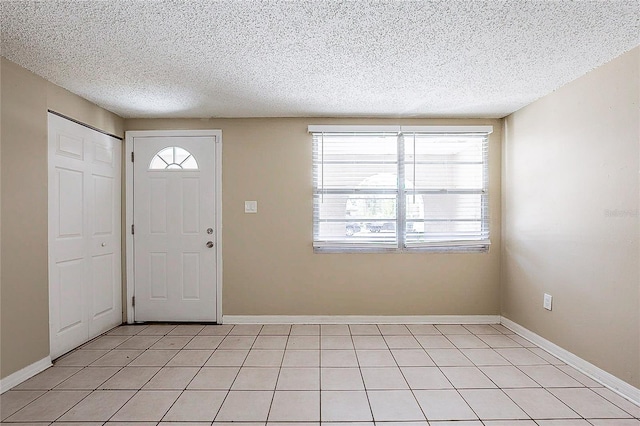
(85, 288)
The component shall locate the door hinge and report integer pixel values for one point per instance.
(132, 156)
(133, 301)
(133, 229)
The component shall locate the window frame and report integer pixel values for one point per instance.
(401, 244)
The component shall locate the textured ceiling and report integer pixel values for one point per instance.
(315, 58)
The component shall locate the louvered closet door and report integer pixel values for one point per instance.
(85, 285)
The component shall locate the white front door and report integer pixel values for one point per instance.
(174, 218)
(85, 283)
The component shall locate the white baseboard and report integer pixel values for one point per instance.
(21, 375)
(617, 385)
(361, 319)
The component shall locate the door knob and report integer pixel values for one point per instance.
(209, 244)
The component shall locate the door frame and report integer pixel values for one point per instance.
(130, 259)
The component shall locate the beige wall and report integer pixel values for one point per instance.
(269, 264)
(24, 305)
(570, 217)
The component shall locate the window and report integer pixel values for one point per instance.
(173, 158)
(392, 187)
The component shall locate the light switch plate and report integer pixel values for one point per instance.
(251, 207)
(547, 301)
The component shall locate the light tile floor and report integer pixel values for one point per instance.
(458, 375)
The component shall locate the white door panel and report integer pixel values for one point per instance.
(84, 234)
(175, 271)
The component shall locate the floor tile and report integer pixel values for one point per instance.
(435, 342)
(588, 404)
(146, 406)
(508, 377)
(204, 342)
(186, 330)
(172, 342)
(127, 330)
(99, 406)
(301, 358)
(582, 378)
(305, 330)
(394, 329)
(540, 404)
(190, 358)
(520, 356)
(425, 378)
(467, 378)
(484, 357)
(522, 341)
(264, 358)
(452, 329)
(341, 379)
(303, 342)
(215, 330)
(616, 399)
(492, 404)
(509, 423)
(295, 406)
(13, 400)
(423, 329)
(480, 329)
(48, 407)
(547, 356)
(252, 378)
(227, 358)
(375, 358)
(131, 378)
(195, 406)
(214, 378)
(172, 378)
(369, 342)
(614, 422)
(412, 358)
(338, 358)
(364, 329)
(565, 422)
(344, 406)
(139, 342)
(117, 358)
(246, 330)
(48, 379)
(444, 405)
(457, 423)
(88, 378)
(275, 330)
(394, 405)
(299, 379)
(105, 342)
(336, 342)
(270, 342)
(154, 358)
(550, 376)
(499, 341)
(402, 342)
(502, 329)
(237, 342)
(383, 378)
(335, 330)
(467, 341)
(157, 330)
(245, 406)
(79, 358)
(449, 357)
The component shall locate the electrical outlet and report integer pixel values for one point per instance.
(547, 301)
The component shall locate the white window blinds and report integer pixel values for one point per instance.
(400, 188)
